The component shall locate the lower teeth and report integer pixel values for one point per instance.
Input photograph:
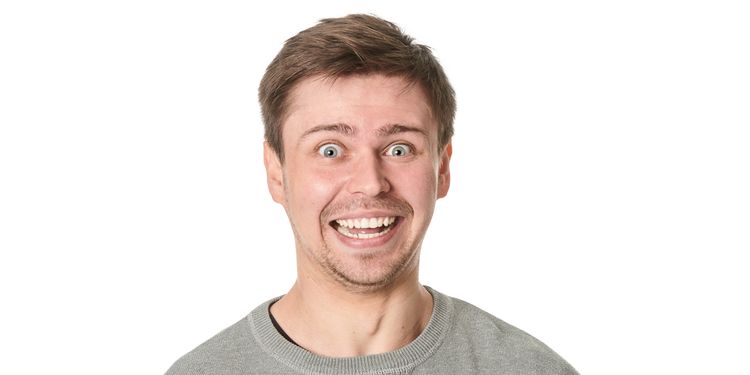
(362, 236)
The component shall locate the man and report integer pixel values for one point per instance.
(358, 124)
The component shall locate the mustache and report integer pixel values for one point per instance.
(389, 203)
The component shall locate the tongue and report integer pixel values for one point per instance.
(366, 230)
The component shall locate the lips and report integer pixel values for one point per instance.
(365, 227)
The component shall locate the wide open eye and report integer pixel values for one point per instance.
(398, 150)
(330, 150)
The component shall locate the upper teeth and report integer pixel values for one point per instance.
(371, 222)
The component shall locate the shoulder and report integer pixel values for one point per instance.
(502, 345)
(218, 354)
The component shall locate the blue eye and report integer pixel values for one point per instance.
(329, 150)
(398, 150)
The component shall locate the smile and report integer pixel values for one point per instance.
(364, 228)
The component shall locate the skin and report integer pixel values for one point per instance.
(357, 297)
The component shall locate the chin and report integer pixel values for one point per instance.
(374, 271)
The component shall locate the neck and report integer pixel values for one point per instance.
(330, 320)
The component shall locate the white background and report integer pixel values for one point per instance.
(600, 177)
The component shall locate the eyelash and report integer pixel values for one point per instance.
(410, 149)
(320, 149)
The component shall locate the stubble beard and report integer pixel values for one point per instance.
(370, 274)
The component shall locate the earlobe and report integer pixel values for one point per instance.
(274, 173)
(444, 171)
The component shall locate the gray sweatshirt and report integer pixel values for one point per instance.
(459, 339)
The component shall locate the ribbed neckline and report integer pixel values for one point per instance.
(396, 361)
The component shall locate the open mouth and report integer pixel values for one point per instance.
(365, 228)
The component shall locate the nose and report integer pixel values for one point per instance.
(368, 177)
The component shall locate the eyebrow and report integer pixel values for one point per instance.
(336, 128)
(392, 129)
(346, 129)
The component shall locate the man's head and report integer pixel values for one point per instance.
(358, 148)
(354, 45)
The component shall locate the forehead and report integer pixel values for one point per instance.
(364, 102)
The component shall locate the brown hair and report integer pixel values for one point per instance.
(355, 44)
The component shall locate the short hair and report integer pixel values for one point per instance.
(357, 44)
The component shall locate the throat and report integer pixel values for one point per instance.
(348, 325)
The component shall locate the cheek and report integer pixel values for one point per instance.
(417, 185)
(311, 189)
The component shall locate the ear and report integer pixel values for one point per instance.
(274, 173)
(444, 171)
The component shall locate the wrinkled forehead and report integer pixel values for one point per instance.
(361, 101)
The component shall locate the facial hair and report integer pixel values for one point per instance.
(356, 280)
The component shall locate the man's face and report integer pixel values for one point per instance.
(361, 175)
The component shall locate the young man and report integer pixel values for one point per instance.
(358, 144)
